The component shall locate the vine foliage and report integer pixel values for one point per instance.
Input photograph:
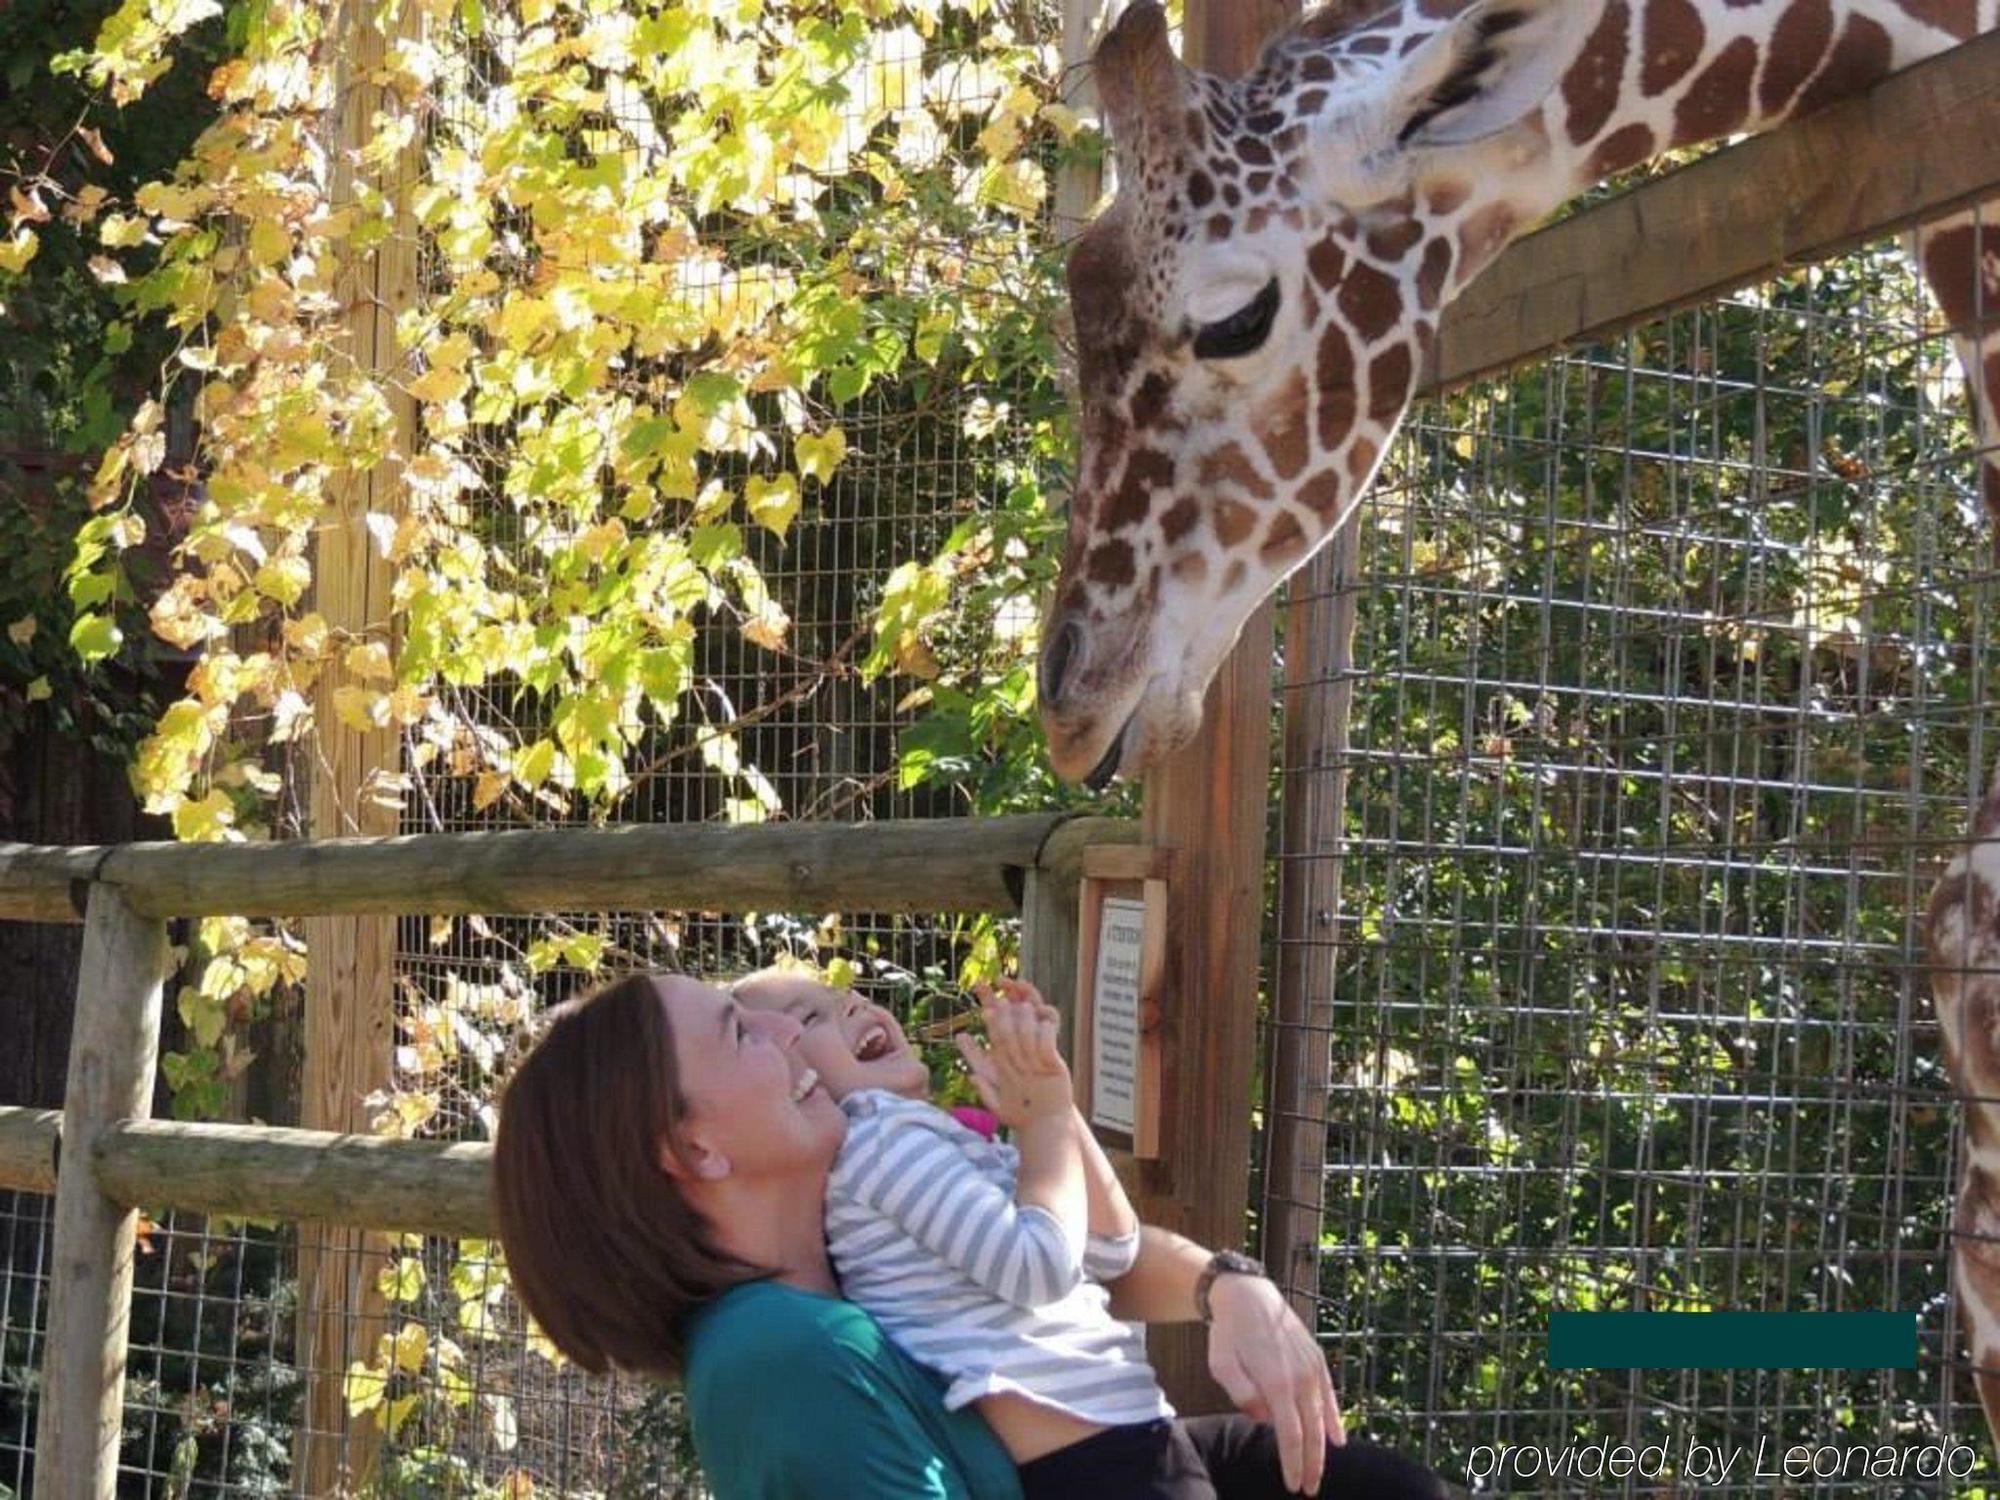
(664, 248)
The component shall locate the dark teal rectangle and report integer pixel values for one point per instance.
(1732, 1341)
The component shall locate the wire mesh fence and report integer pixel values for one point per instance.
(1666, 699)
(1665, 709)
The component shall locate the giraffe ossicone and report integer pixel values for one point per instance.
(1256, 306)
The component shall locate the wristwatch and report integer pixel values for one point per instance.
(1222, 1263)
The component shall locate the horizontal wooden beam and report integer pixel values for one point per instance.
(927, 865)
(29, 1142)
(1915, 147)
(264, 1172)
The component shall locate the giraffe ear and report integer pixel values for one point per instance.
(1140, 82)
(1491, 68)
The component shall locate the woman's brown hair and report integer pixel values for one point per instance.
(606, 1253)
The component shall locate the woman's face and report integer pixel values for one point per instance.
(753, 1101)
(849, 1042)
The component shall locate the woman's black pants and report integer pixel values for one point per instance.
(1214, 1458)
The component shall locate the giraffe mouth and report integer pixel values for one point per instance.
(1106, 770)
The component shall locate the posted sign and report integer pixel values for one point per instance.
(1114, 1031)
(1120, 971)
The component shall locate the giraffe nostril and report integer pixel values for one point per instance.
(1058, 657)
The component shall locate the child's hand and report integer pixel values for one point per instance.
(1020, 1074)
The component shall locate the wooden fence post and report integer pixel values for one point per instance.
(113, 1049)
(349, 1031)
(1209, 802)
(1319, 701)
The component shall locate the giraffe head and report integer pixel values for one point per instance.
(1252, 313)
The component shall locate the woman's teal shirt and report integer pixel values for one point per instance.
(794, 1394)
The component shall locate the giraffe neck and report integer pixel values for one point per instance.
(1651, 76)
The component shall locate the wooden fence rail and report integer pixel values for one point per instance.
(932, 865)
(265, 1172)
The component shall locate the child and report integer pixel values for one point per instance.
(985, 1261)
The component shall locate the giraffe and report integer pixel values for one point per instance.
(1255, 307)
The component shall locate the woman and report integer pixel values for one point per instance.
(660, 1180)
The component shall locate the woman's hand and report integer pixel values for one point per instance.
(1019, 1074)
(1275, 1371)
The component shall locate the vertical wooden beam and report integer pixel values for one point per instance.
(1210, 802)
(1319, 701)
(349, 1001)
(113, 1049)
(1049, 937)
(1078, 184)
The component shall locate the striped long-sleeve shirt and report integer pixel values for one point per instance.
(925, 1234)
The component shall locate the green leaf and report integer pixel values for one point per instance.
(95, 637)
(532, 763)
(715, 544)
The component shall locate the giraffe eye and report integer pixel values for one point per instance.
(1243, 331)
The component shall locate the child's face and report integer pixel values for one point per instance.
(848, 1042)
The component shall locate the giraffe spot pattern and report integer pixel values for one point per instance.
(1674, 38)
(1361, 461)
(1336, 388)
(1229, 465)
(1592, 86)
(1148, 470)
(1323, 494)
(1718, 102)
(1389, 381)
(1393, 241)
(1112, 564)
(1432, 272)
(1371, 301)
(1798, 44)
(1859, 58)
(1326, 262)
(1482, 235)
(1959, 276)
(1623, 148)
(1447, 196)
(1285, 541)
(1281, 429)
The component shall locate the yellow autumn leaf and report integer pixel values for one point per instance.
(1019, 185)
(818, 455)
(489, 789)
(17, 251)
(413, 1341)
(402, 1281)
(772, 503)
(284, 579)
(270, 242)
(369, 660)
(363, 1388)
(122, 231)
(360, 709)
(439, 384)
(204, 821)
